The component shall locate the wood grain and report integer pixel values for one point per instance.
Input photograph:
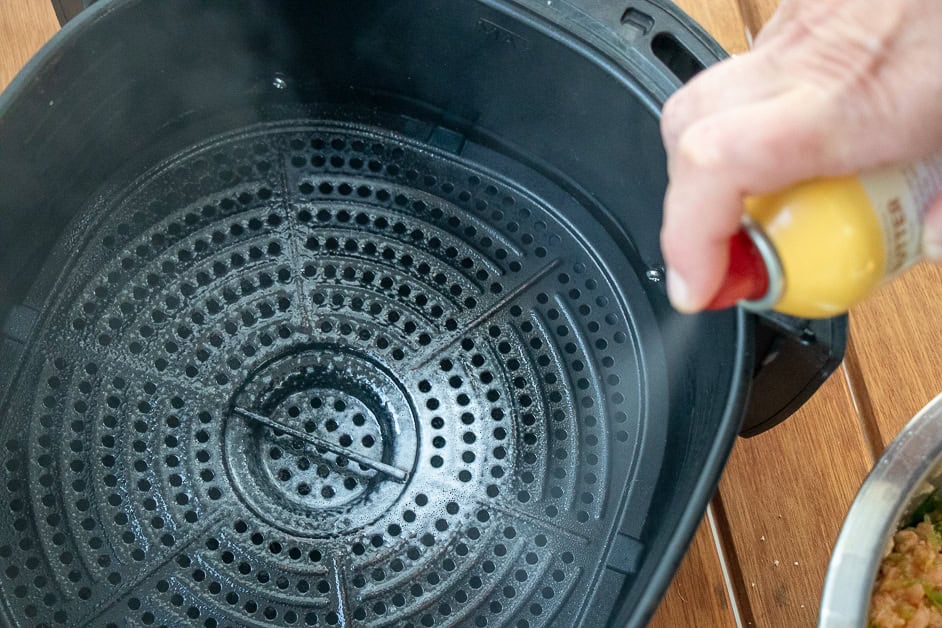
(25, 25)
(697, 596)
(755, 13)
(896, 349)
(784, 494)
(722, 19)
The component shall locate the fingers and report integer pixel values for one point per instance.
(718, 161)
(831, 87)
(932, 233)
(734, 82)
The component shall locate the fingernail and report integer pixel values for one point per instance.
(677, 292)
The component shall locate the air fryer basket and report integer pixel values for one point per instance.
(339, 313)
(317, 372)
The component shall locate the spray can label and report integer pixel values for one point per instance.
(900, 197)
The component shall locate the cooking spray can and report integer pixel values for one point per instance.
(818, 248)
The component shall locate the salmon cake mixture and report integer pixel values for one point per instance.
(908, 589)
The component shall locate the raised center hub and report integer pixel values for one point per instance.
(320, 441)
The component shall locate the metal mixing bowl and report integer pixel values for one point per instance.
(908, 471)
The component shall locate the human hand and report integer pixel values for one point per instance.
(831, 87)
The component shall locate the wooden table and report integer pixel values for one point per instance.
(760, 555)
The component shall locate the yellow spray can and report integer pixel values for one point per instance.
(818, 248)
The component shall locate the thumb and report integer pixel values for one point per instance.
(932, 231)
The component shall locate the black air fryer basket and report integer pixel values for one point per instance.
(349, 313)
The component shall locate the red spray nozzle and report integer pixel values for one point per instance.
(747, 277)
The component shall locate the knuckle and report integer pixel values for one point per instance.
(771, 140)
(700, 147)
(811, 143)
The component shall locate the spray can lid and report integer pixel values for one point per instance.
(754, 278)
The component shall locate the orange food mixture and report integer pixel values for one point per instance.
(908, 590)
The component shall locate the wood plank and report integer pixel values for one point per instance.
(722, 19)
(25, 25)
(784, 495)
(896, 348)
(755, 13)
(697, 596)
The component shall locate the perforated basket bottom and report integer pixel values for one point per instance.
(317, 374)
